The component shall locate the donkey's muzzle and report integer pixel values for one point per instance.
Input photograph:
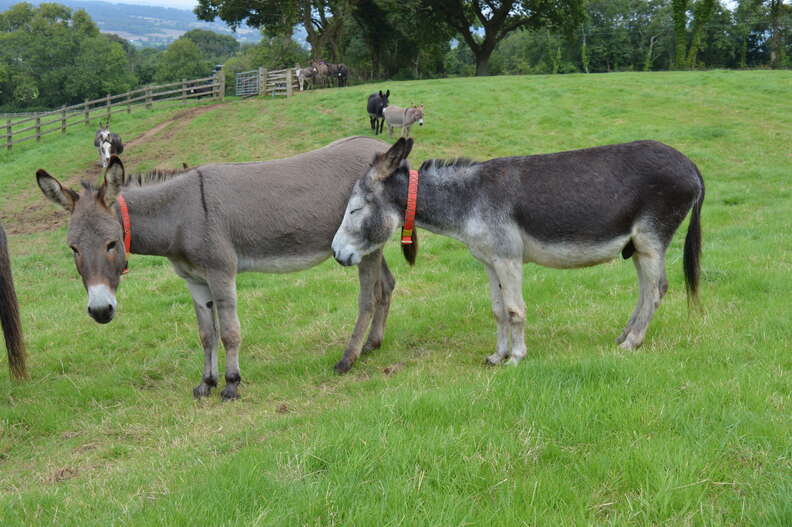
(102, 315)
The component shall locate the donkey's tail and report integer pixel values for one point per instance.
(9, 314)
(691, 260)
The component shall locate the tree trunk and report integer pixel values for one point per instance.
(679, 15)
(776, 46)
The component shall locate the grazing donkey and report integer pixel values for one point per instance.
(107, 143)
(215, 221)
(377, 102)
(403, 118)
(9, 314)
(564, 210)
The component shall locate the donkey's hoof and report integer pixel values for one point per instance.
(370, 346)
(202, 390)
(622, 337)
(229, 393)
(343, 366)
(493, 360)
(513, 361)
(629, 343)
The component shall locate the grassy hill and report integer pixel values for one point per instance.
(692, 429)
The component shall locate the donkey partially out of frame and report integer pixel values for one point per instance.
(564, 210)
(107, 143)
(377, 102)
(215, 221)
(9, 314)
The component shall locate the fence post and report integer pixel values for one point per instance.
(262, 80)
(87, 113)
(38, 129)
(148, 97)
(8, 134)
(289, 87)
(221, 79)
(184, 90)
(108, 107)
(63, 120)
(129, 104)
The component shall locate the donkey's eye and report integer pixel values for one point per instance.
(111, 246)
(74, 250)
(351, 212)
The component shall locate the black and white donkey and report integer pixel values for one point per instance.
(564, 210)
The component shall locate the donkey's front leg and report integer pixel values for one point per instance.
(501, 319)
(509, 274)
(368, 275)
(383, 292)
(224, 294)
(207, 330)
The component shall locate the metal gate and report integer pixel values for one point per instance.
(247, 83)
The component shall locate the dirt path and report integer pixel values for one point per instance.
(34, 214)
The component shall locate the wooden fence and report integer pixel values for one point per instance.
(35, 127)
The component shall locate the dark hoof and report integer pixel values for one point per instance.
(343, 366)
(202, 390)
(229, 393)
(371, 346)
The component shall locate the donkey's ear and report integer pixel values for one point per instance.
(55, 192)
(396, 154)
(387, 94)
(114, 180)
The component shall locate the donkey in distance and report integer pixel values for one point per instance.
(9, 315)
(215, 221)
(564, 210)
(403, 118)
(377, 102)
(108, 144)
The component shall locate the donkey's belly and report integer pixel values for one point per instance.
(570, 254)
(280, 264)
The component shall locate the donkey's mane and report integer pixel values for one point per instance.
(459, 162)
(152, 177)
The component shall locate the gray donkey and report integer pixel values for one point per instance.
(215, 221)
(564, 210)
(107, 143)
(9, 314)
(403, 118)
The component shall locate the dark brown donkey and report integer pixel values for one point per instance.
(215, 221)
(9, 314)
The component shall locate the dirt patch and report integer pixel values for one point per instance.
(39, 215)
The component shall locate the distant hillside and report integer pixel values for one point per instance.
(146, 25)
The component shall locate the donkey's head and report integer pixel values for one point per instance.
(384, 98)
(372, 215)
(415, 115)
(95, 236)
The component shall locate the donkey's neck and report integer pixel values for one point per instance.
(154, 219)
(441, 201)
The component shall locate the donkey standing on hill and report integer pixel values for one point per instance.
(107, 143)
(9, 314)
(215, 221)
(377, 102)
(403, 118)
(564, 210)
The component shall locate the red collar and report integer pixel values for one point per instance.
(409, 213)
(127, 227)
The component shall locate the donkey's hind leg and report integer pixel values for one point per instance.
(501, 319)
(368, 275)
(207, 330)
(384, 290)
(650, 266)
(223, 287)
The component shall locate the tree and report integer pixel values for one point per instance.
(498, 18)
(215, 47)
(182, 60)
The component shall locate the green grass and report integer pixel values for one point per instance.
(692, 429)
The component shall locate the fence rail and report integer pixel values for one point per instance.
(59, 120)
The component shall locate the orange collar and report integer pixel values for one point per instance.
(127, 227)
(409, 213)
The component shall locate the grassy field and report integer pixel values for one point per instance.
(695, 428)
